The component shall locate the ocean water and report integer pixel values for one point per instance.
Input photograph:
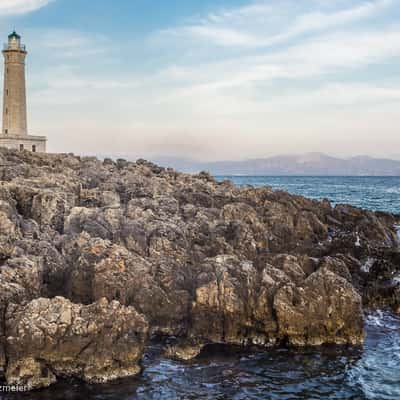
(371, 371)
(374, 193)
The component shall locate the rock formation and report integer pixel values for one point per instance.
(97, 256)
(54, 337)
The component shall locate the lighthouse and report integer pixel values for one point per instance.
(14, 134)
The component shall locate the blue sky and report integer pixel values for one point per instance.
(220, 79)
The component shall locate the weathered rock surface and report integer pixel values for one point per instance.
(20, 281)
(178, 255)
(54, 337)
(324, 309)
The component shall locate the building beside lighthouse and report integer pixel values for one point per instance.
(14, 134)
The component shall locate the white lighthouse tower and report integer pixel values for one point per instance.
(14, 134)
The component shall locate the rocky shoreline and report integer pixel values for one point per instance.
(96, 257)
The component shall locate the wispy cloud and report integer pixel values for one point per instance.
(15, 7)
(262, 24)
(316, 57)
(69, 44)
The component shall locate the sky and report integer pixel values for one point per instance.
(212, 79)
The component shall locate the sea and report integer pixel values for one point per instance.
(371, 371)
(371, 192)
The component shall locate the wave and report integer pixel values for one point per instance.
(394, 190)
(383, 319)
(377, 372)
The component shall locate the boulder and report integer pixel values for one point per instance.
(50, 338)
(324, 309)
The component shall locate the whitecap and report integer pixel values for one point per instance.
(366, 267)
(383, 319)
(392, 190)
(377, 372)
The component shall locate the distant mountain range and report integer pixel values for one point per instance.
(302, 165)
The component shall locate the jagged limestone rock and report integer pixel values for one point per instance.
(200, 260)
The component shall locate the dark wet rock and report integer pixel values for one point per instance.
(184, 351)
(202, 261)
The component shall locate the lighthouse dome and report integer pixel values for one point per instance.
(14, 35)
